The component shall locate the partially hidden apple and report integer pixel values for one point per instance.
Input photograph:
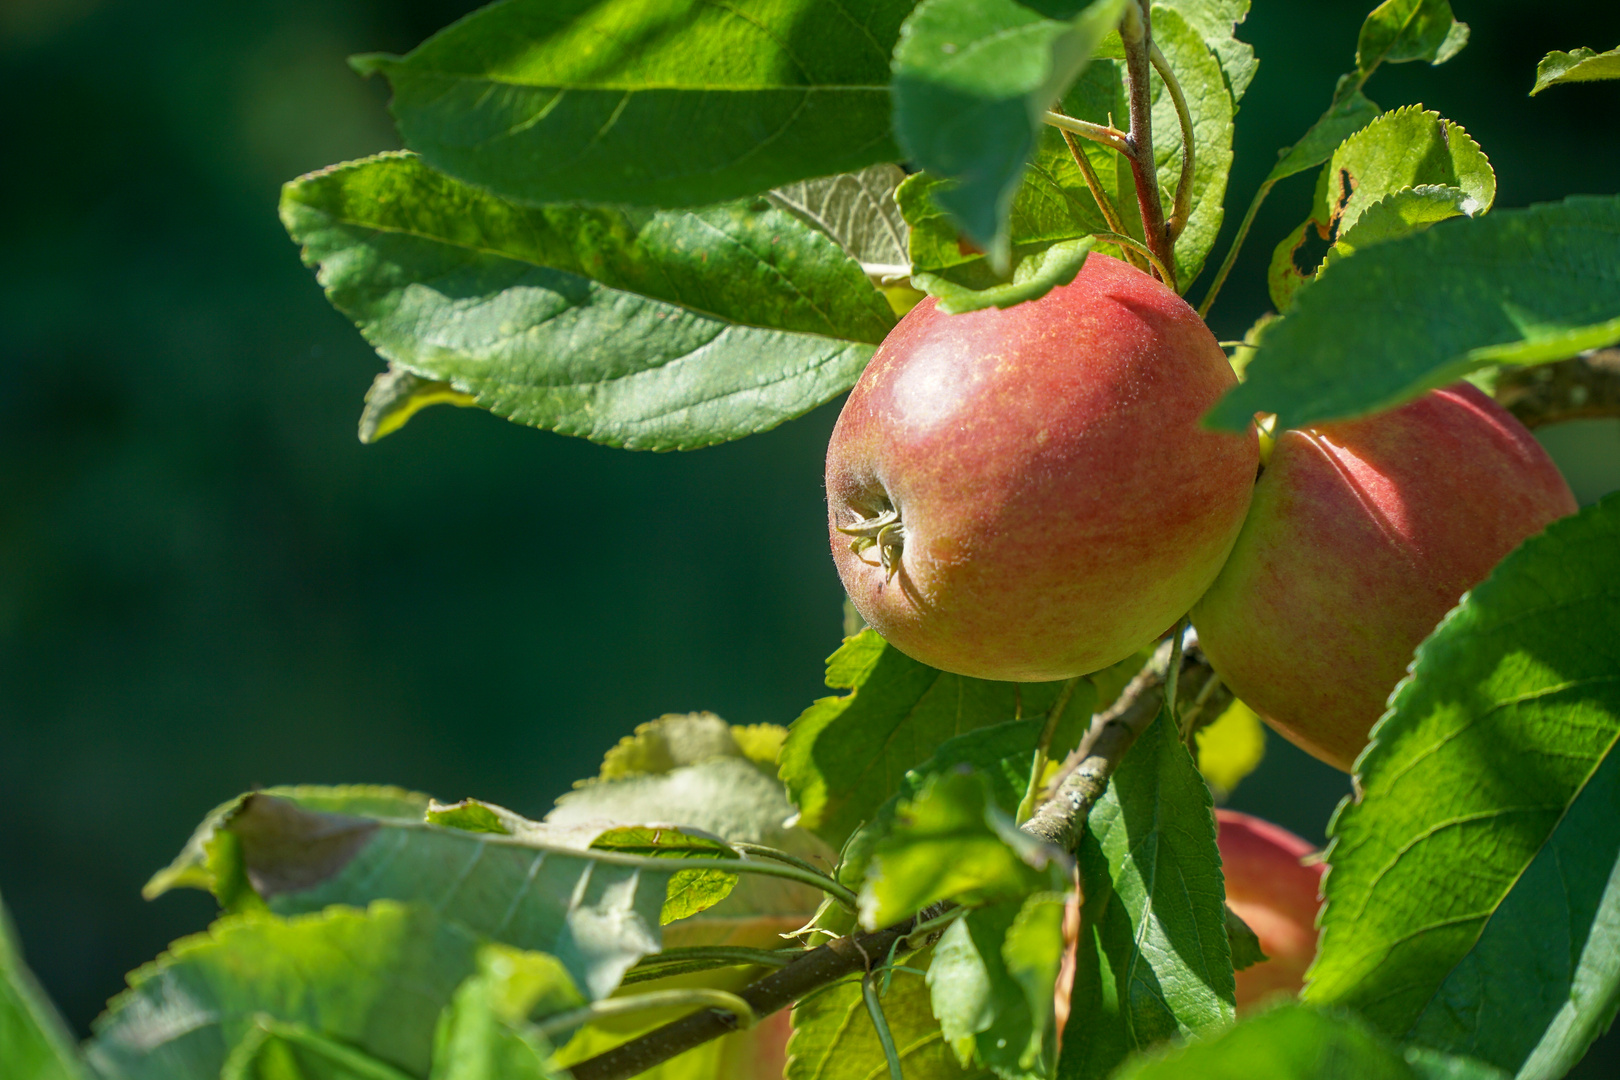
(1363, 534)
(1027, 493)
(1277, 893)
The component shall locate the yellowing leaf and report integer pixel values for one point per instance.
(1231, 747)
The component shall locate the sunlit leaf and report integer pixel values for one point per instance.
(1413, 166)
(374, 979)
(1514, 286)
(992, 981)
(1473, 905)
(1581, 65)
(1397, 31)
(973, 79)
(845, 756)
(675, 104)
(649, 330)
(1153, 961)
(274, 1050)
(952, 842)
(857, 210)
(1231, 747)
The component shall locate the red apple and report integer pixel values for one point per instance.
(1363, 534)
(1027, 493)
(1277, 894)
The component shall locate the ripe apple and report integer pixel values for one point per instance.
(1277, 894)
(1027, 493)
(1363, 534)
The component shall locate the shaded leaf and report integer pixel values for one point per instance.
(992, 981)
(855, 209)
(1244, 942)
(1473, 904)
(597, 917)
(212, 862)
(397, 394)
(1153, 961)
(952, 842)
(1581, 65)
(1515, 287)
(373, 979)
(972, 81)
(648, 330)
(845, 756)
(273, 1050)
(834, 1040)
(678, 104)
(1414, 166)
(1397, 31)
(34, 1040)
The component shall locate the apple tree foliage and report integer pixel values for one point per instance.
(664, 224)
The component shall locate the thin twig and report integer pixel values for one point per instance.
(738, 1009)
(764, 852)
(1111, 137)
(1184, 188)
(1043, 745)
(1234, 248)
(1061, 821)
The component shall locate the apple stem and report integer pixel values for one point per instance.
(1136, 32)
(1184, 187)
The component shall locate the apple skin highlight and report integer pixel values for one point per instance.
(1362, 536)
(1061, 504)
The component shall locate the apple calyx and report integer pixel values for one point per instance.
(882, 530)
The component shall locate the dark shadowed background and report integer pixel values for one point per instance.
(207, 583)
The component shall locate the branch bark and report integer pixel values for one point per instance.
(1136, 32)
(1060, 820)
(1584, 387)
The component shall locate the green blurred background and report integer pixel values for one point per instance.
(207, 583)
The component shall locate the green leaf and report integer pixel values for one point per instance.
(211, 860)
(485, 1034)
(1153, 961)
(834, 1040)
(1473, 904)
(1231, 747)
(952, 842)
(992, 981)
(1032, 278)
(597, 916)
(1397, 31)
(1216, 21)
(272, 1050)
(1289, 1042)
(1516, 286)
(845, 756)
(855, 209)
(1243, 941)
(1416, 167)
(1053, 205)
(972, 81)
(697, 771)
(34, 1039)
(1582, 65)
(397, 395)
(1346, 116)
(373, 979)
(648, 330)
(670, 104)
